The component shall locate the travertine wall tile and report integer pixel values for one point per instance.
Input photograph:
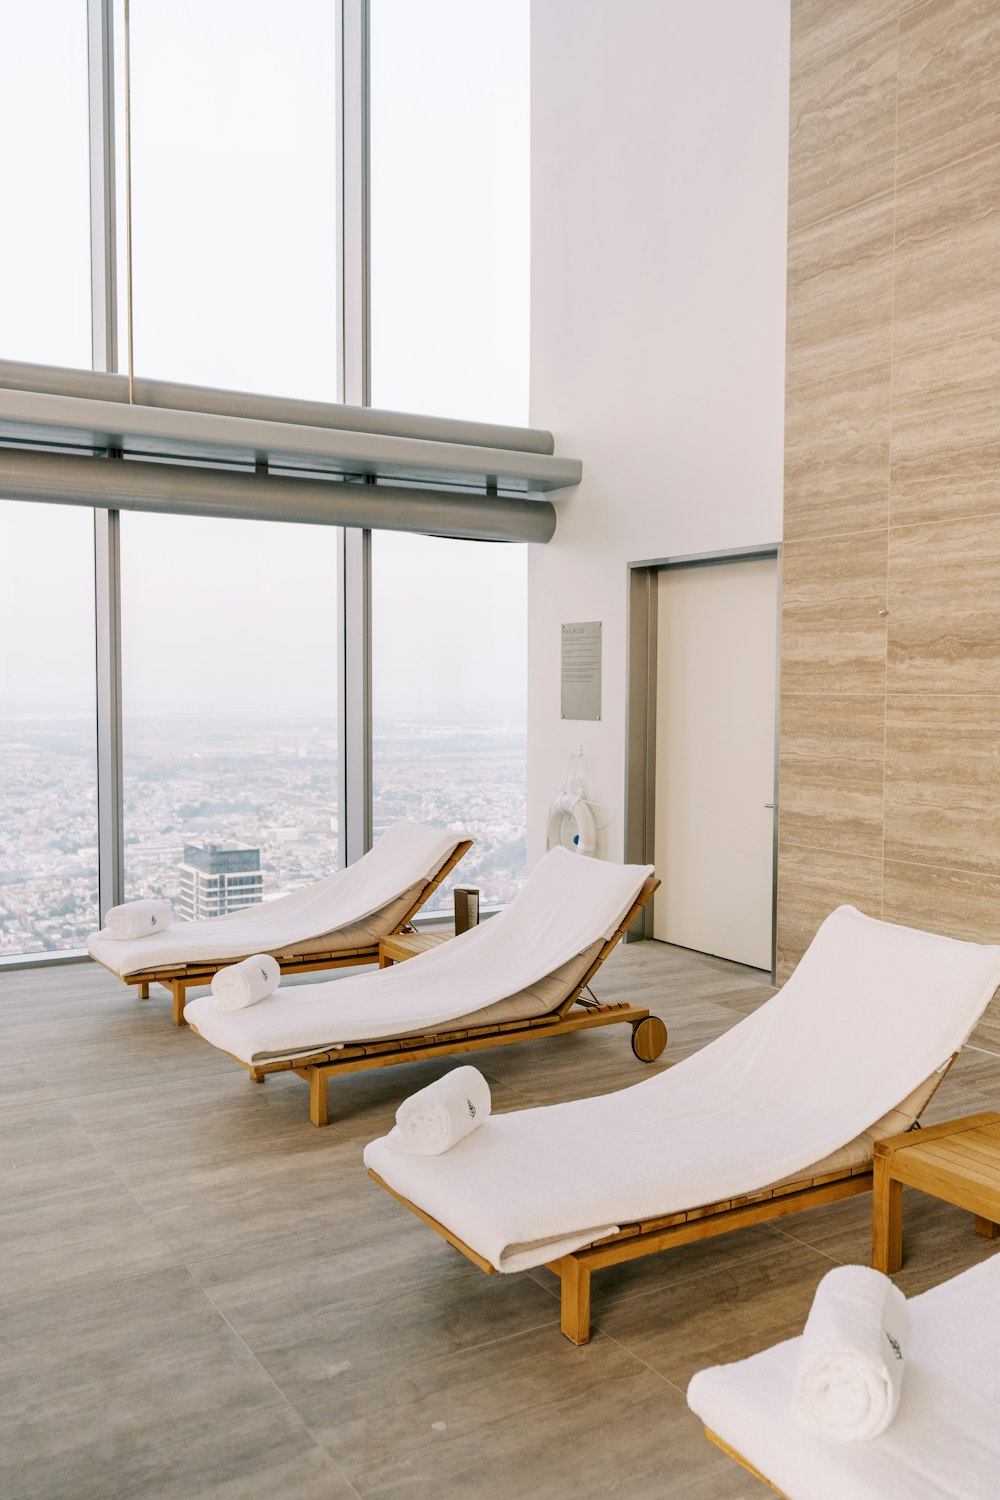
(833, 591)
(840, 295)
(822, 28)
(831, 805)
(835, 648)
(811, 883)
(843, 128)
(836, 567)
(836, 726)
(890, 728)
(949, 83)
(942, 785)
(959, 903)
(987, 1033)
(947, 255)
(837, 454)
(946, 431)
(944, 607)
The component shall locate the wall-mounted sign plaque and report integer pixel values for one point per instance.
(580, 696)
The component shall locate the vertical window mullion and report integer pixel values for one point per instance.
(104, 356)
(354, 646)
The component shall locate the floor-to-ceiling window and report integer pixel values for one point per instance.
(450, 207)
(229, 689)
(449, 650)
(48, 830)
(234, 193)
(44, 183)
(449, 334)
(229, 628)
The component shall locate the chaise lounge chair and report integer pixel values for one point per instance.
(512, 978)
(332, 924)
(775, 1116)
(944, 1442)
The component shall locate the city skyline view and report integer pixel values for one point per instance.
(267, 784)
(229, 628)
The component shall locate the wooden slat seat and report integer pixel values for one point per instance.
(317, 1068)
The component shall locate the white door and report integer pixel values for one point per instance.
(715, 698)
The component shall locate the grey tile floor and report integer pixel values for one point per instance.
(204, 1298)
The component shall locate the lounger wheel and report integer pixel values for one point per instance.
(649, 1037)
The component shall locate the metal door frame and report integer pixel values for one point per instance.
(640, 712)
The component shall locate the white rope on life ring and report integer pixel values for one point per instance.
(571, 822)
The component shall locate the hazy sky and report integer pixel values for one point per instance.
(234, 255)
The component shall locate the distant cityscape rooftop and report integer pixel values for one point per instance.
(215, 859)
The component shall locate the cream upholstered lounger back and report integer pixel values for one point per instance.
(362, 934)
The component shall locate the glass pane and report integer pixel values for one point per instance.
(449, 699)
(230, 690)
(234, 193)
(48, 833)
(44, 184)
(450, 206)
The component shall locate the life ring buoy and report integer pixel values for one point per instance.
(572, 824)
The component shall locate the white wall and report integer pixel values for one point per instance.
(659, 149)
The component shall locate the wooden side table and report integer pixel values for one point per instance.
(958, 1160)
(404, 945)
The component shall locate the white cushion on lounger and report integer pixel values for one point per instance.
(407, 855)
(566, 904)
(871, 1011)
(944, 1443)
(536, 1000)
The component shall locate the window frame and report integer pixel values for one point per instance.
(351, 270)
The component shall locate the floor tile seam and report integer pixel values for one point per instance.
(224, 1158)
(103, 1157)
(632, 1354)
(635, 1296)
(504, 1338)
(284, 1399)
(151, 1217)
(826, 1255)
(146, 1213)
(32, 1299)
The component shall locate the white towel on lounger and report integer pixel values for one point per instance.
(852, 1355)
(239, 985)
(405, 856)
(945, 1441)
(433, 1119)
(138, 919)
(871, 1011)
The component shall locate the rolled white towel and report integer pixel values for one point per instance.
(434, 1119)
(239, 985)
(853, 1352)
(138, 919)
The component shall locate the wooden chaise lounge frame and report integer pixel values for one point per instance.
(649, 1236)
(713, 1437)
(649, 1035)
(179, 978)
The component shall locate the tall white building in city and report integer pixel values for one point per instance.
(215, 880)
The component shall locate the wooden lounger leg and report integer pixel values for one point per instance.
(144, 990)
(887, 1220)
(574, 1274)
(177, 989)
(987, 1227)
(319, 1097)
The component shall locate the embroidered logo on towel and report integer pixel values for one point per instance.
(152, 921)
(893, 1344)
(472, 1108)
(263, 973)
